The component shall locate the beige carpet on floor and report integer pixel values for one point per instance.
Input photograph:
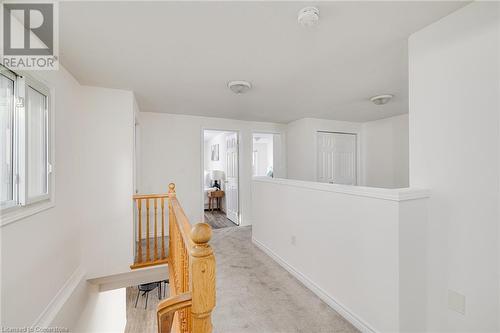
(254, 295)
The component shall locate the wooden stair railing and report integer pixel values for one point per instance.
(168, 308)
(191, 265)
(159, 255)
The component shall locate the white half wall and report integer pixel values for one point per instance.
(454, 72)
(172, 151)
(360, 249)
(385, 152)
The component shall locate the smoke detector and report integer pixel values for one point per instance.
(308, 16)
(381, 99)
(239, 87)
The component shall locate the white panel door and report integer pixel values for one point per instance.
(337, 158)
(232, 209)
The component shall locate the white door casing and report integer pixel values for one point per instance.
(337, 158)
(231, 188)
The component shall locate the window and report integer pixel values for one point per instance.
(25, 160)
(7, 142)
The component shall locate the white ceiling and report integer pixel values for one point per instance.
(178, 56)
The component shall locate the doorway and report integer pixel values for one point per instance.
(267, 155)
(262, 155)
(220, 178)
(337, 158)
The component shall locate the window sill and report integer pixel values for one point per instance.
(18, 213)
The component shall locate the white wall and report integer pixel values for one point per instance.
(219, 139)
(454, 151)
(106, 311)
(172, 148)
(41, 252)
(89, 228)
(361, 249)
(385, 152)
(302, 145)
(108, 160)
(382, 149)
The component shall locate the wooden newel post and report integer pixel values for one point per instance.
(203, 278)
(171, 190)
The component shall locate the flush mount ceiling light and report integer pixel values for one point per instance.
(239, 87)
(308, 16)
(381, 99)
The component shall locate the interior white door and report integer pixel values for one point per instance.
(231, 188)
(337, 158)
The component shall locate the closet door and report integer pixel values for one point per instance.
(337, 158)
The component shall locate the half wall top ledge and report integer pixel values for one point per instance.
(393, 194)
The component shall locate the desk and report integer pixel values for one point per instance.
(217, 195)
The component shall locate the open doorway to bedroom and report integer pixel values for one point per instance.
(220, 178)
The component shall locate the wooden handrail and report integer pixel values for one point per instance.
(149, 196)
(182, 220)
(191, 268)
(167, 309)
(191, 264)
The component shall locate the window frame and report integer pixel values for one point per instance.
(22, 205)
(43, 90)
(4, 205)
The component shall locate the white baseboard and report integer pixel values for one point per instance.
(355, 320)
(56, 304)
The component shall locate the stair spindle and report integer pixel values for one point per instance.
(156, 229)
(148, 255)
(162, 228)
(139, 231)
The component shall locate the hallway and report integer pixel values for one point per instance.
(254, 294)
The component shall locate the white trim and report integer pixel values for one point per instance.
(17, 213)
(345, 312)
(202, 167)
(132, 278)
(399, 194)
(56, 304)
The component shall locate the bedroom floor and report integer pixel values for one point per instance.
(217, 219)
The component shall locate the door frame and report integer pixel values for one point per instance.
(202, 167)
(358, 153)
(283, 151)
